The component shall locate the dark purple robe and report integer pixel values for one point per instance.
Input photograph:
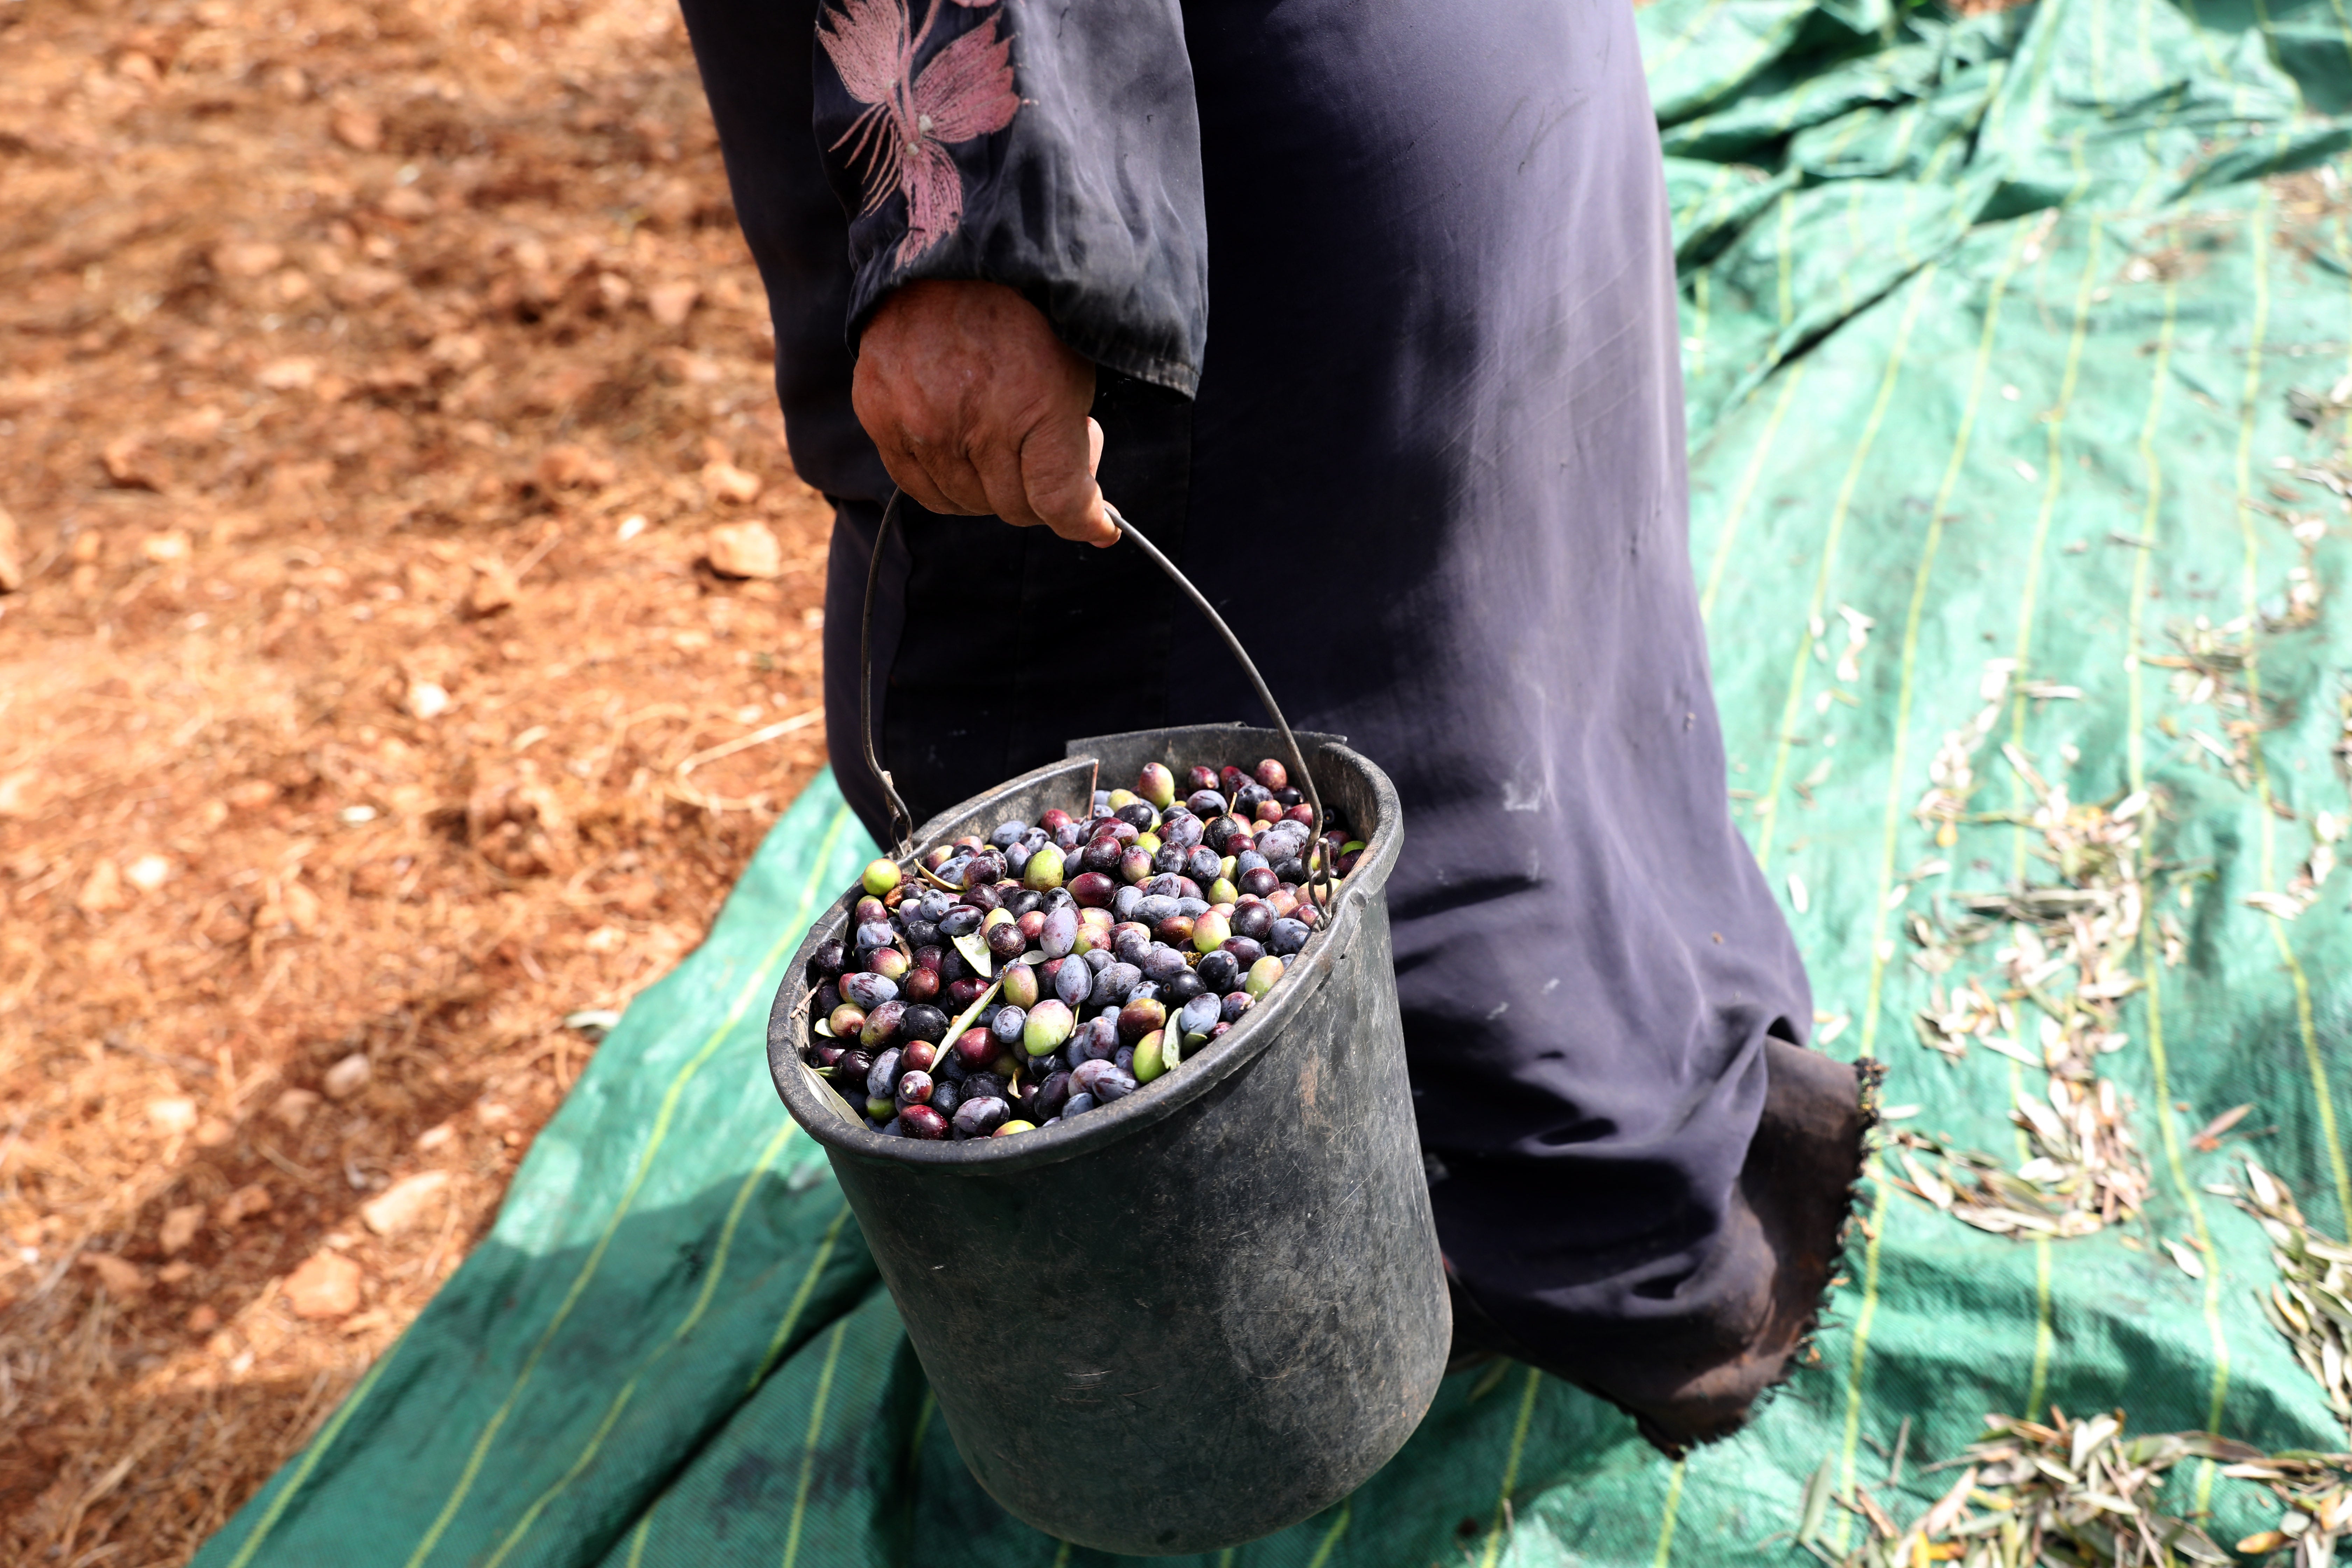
(1383, 297)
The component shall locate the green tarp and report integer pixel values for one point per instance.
(1990, 326)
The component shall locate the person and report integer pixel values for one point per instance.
(1425, 453)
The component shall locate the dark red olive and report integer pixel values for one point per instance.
(1092, 890)
(1273, 774)
(922, 1122)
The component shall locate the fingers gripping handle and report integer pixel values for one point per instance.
(902, 822)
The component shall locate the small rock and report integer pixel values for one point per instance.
(165, 548)
(428, 700)
(494, 589)
(12, 553)
(347, 1076)
(569, 467)
(204, 1319)
(148, 872)
(20, 796)
(174, 1273)
(671, 303)
(294, 1107)
(248, 1199)
(212, 1132)
(361, 130)
(401, 1206)
(435, 1136)
(327, 1285)
(170, 1116)
(292, 375)
(180, 1227)
(101, 893)
(407, 202)
(744, 550)
(725, 481)
(247, 258)
(124, 1280)
(129, 466)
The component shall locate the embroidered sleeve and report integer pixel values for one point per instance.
(1052, 148)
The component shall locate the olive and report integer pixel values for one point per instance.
(979, 1118)
(1249, 797)
(882, 1077)
(1266, 811)
(1131, 942)
(1051, 817)
(1008, 833)
(1051, 1095)
(983, 896)
(845, 1021)
(1259, 881)
(965, 991)
(1155, 783)
(914, 1088)
(920, 1056)
(1296, 810)
(1182, 830)
(826, 1052)
(1114, 984)
(881, 1106)
(986, 866)
(1135, 865)
(1230, 778)
(1181, 989)
(922, 1122)
(1169, 857)
(1140, 1018)
(1010, 1128)
(1220, 972)
(980, 1085)
(1105, 1081)
(1148, 1062)
(1204, 803)
(977, 1047)
(1209, 931)
(1102, 854)
(961, 920)
(1234, 1005)
(1021, 986)
(1048, 1026)
(827, 959)
(1092, 890)
(1199, 777)
(1043, 870)
(1272, 775)
(1176, 930)
(924, 1021)
(1060, 934)
(875, 933)
(867, 989)
(1203, 865)
(1222, 892)
(945, 1096)
(1286, 935)
(879, 877)
(1005, 941)
(1199, 1016)
(1246, 950)
(882, 1024)
(1077, 1105)
(1006, 1027)
(888, 963)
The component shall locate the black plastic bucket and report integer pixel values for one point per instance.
(1211, 1308)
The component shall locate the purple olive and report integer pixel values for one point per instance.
(922, 1021)
(1287, 936)
(1092, 890)
(1005, 941)
(1199, 1016)
(1006, 1026)
(1114, 984)
(1220, 972)
(827, 960)
(964, 992)
(979, 1118)
(1234, 1005)
(882, 1077)
(922, 1122)
(1162, 963)
(882, 1026)
(1205, 803)
(1246, 951)
(1253, 921)
(1074, 981)
(914, 1088)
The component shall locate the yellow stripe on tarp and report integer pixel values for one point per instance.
(310, 1458)
(1880, 948)
(808, 1449)
(1331, 1536)
(710, 1279)
(2151, 956)
(1770, 808)
(762, 978)
(2249, 403)
(1746, 490)
(1666, 1523)
(1511, 1470)
(800, 1300)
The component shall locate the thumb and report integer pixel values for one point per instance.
(1057, 464)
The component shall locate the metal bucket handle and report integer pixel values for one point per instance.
(902, 821)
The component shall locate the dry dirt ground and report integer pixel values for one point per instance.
(373, 379)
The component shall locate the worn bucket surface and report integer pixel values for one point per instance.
(1205, 1311)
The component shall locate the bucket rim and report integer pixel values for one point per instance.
(820, 1112)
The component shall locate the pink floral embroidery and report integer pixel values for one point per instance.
(900, 141)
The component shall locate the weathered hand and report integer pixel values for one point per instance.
(979, 410)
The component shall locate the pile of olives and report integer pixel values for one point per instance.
(1020, 980)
